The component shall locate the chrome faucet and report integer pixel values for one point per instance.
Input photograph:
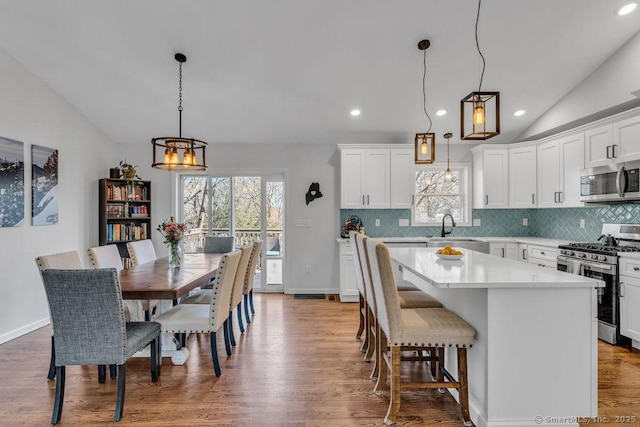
(453, 224)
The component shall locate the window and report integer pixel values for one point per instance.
(435, 196)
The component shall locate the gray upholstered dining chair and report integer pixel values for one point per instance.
(88, 318)
(66, 260)
(218, 244)
(108, 256)
(142, 251)
(204, 296)
(207, 318)
(248, 280)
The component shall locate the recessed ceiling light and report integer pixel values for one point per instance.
(519, 113)
(626, 8)
(355, 112)
(441, 112)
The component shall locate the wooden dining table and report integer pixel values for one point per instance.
(156, 280)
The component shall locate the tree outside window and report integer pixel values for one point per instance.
(436, 196)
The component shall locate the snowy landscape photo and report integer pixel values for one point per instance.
(11, 182)
(44, 185)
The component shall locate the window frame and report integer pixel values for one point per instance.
(466, 191)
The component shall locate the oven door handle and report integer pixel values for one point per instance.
(601, 268)
(621, 181)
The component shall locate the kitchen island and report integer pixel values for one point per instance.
(534, 360)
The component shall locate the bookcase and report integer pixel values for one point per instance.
(125, 213)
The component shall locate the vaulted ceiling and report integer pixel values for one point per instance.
(290, 71)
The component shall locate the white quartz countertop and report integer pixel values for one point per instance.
(540, 241)
(479, 270)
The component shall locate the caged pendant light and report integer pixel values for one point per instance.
(425, 143)
(480, 111)
(448, 173)
(178, 153)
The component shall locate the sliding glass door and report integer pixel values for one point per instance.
(249, 208)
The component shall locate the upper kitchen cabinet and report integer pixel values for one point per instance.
(401, 174)
(559, 164)
(490, 177)
(522, 177)
(613, 142)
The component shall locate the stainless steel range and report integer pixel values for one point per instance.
(600, 261)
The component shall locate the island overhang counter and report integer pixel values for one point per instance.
(534, 359)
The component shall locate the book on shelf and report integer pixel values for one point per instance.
(124, 232)
(127, 192)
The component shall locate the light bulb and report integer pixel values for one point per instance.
(447, 175)
(478, 113)
(423, 147)
(174, 157)
(167, 156)
(187, 159)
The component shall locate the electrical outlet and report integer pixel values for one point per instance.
(476, 222)
(377, 222)
(583, 223)
(525, 222)
(403, 222)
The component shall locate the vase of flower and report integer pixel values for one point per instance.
(175, 255)
(173, 233)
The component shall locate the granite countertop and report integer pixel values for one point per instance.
(477, 270)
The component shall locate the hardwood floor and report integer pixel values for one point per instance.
(298, 365)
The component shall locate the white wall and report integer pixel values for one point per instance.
(32, 113)
(608, 86)
(314, 246)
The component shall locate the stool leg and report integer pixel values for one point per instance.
(464, 386)
(383, 371)
(373, 345)
(52, 363)
(361, 316)
(394, 404)
(370, 340)
(440, 376)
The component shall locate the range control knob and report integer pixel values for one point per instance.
(602, 258)
(582, 255)
(570, 253)
(594, 256)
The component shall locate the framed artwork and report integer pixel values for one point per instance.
(11, 183)
(44, 185)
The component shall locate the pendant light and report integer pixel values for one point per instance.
(178, 153)
(480, 109)
(447, 174)
(425, 143)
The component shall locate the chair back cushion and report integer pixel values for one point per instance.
(107, 256)
(385, 289)
(222, 288)
(87, 315)
(273, 245)
(251, 268)
(241, 274)
(141, 251)
(64, 260)
(370, 295)
(357, 260)
(218, 244)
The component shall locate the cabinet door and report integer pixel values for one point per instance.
(598, 142)
(497, 249)
(626, 139)
(548, 174)
(401, 178)
(629, 307)
(377, 179)
(512, 251)
(522, 177)
(495, 169)
(572, 162)
(352, 179)
(348, 280)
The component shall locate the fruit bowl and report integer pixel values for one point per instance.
(449, 257)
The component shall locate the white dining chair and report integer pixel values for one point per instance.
(142, 251)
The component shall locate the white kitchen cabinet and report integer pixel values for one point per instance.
(348, 280)
(522, 177)
(511, 251)
(401, 174)
(490, 177)
(630, 298)
(523, 250)
(626, 139)
(544, 256)
(598, 145)
(504, 250)
(497, 249)
(365, 178)
(559, 164)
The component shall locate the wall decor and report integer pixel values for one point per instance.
(44, 185)
(313, 192)
(11, 183)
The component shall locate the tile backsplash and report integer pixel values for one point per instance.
(561, 223)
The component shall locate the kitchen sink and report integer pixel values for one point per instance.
(459, 242)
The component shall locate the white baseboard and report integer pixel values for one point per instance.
(24, 330)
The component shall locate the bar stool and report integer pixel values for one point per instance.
(415, 329)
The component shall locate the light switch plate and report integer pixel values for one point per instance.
(582, 223)
(476, 222)
(525, 221)
(377, 222)
(403, 222)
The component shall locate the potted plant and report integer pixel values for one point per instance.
(128, 172)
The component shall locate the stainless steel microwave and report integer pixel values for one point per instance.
(612, 183)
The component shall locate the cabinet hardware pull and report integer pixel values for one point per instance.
(524, 254)
(363, 200)
(608, 151)
(560, 196)
(542, 253)
(621, 289)
(533, 199)
(636, 268)
(503, 254)
(486, 199)
(367, 199)
(413, 199)
(613, 151)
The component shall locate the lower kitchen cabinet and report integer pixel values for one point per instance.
(630, 298)
(504, 250)
(348, 280)
(543, 256)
